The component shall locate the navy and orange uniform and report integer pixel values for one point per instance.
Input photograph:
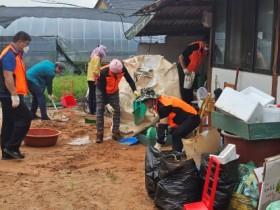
(18, 73)
(193, 55)
(108, 83)
(175, 109)
(182, 118)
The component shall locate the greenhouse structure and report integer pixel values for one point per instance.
(70, 40)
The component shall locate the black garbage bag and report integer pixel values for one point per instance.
(179, 184)
(228, 177)
(152, 161)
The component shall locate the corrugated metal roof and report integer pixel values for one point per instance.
(172, 17)
(127, 8)
(132, 4)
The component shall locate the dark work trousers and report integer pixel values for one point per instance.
(183, 130)
(92, 97)
(186, 94)
(15, 124)
(39, 98)
(114, 100)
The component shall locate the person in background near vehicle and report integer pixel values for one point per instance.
(173, 112)
(189, 62)
(107, 95)
(16, 117)
(93, 71)
(40, 77)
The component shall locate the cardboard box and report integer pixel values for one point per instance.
(270, 191)
(209, 143)
(259, 175)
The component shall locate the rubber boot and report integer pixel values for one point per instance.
(116, 135)
(99, 138)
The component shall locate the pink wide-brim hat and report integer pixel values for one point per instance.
(116, 66)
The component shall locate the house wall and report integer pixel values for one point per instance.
(171, 49)
(245, 79)
(175, 45)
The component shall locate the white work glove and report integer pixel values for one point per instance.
(137, 94)
(110, 109)
(51, 97)
(157, 146)
(15, 101)
(186, 71)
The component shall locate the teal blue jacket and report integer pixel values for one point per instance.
(42, 74)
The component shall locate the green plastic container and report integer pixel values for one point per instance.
(89, 120)
(139, 112)
(151, 132)
(200, 81)
(274, 206)
(152, 141)
(150, 138)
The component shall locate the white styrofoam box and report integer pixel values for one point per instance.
(227, 155)
(240, 105)
(271, 113)
(258, 95)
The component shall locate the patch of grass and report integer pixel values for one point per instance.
(72, 185)
(64, 84)
(112, 176)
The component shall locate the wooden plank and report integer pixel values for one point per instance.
(275, 58)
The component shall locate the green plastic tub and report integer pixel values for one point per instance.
(150, 138)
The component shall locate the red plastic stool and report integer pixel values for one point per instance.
(207, 202)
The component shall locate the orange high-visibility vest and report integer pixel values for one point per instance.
(19, 71)
(112, 81)
(196, 57)
(177, 106)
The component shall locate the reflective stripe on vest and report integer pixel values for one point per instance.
(196, 57)
(175, 103)
(19, 71)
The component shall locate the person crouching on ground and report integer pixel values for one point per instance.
(40, 77)
(173, 112)
(107, 95)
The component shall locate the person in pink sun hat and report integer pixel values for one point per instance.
(94, 65)
(107, 95)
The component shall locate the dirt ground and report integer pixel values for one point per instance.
(65, 177)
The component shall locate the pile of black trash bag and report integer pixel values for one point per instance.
(172, 180)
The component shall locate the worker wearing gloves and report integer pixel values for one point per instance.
(107, 96)
(40, 77)
(189, 62)
(93, 71)
(16, 117)
(173, 112)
